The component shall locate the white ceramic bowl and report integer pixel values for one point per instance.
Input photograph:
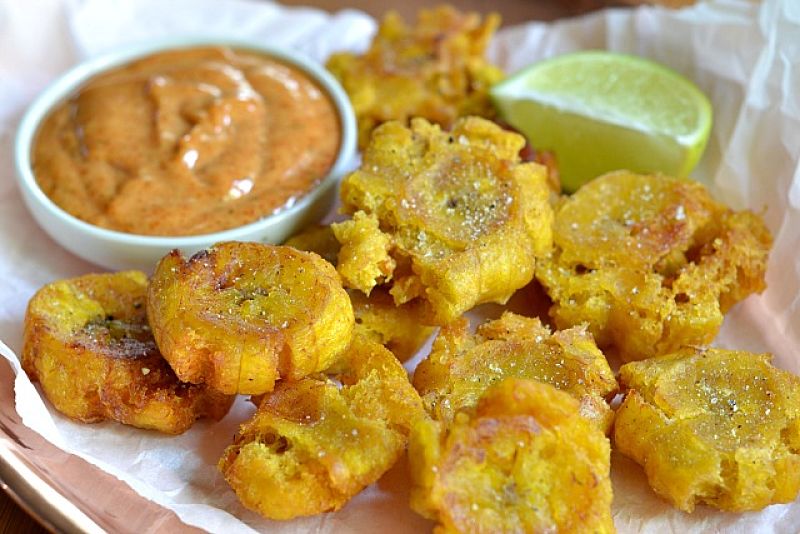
(120, 250)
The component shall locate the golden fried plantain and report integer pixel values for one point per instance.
(314, 444)
(239, 316)
(461, 366)
(319, 239)
(88, 344)
(524, 461)
(464, 217)
(650, 262)
(713, 426)
(398, 328)
(363, 260)
(435, 70)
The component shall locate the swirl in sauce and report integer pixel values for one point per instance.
(187, 142)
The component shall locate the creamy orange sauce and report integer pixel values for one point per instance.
(187, 142)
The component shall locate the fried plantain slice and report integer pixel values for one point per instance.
(88, 344)
(650, 262)
(523, 461)
(398, 328)
(435, 70)
(464, 217)
(239, 316)
(713, 426)
(315, 443)
(461, 366)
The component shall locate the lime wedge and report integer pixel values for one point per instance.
(601, 111)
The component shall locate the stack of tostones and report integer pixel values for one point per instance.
(452, 218)
(398, 328)
(435, 70)
(88, 343)
(505, 427)
(239, 316)
(461, 366)
(524, 460)
(316, 442)
(650, 262)
(713, 426)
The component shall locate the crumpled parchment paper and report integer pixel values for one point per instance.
(744, 55)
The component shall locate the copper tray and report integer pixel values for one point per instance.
(64, 492)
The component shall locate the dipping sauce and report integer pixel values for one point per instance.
(187, 142)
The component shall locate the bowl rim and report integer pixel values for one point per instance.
(68, 82)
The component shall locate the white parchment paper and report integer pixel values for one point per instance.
(745, 56)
